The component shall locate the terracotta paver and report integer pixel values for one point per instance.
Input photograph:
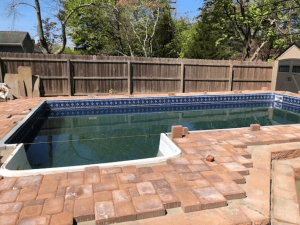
(210, 198)
(104, 212)
(40, 220)
(53, 206)
(62, 219)
(84, 209)
(10, 219)
(148, 206)
(124, 212)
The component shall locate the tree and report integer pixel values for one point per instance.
(125, 27)
(250, 21)
(200, 42)
(12, 11)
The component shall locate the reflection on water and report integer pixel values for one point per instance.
(82, 140)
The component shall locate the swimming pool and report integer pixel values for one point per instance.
(72, 133)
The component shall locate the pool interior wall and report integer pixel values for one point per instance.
(110, 106)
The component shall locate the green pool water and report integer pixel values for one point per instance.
(83, 140)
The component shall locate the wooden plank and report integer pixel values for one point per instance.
(69, 77)
(33, 59)
(182, 85)
(53, 78)
(230, 77)
(59, 94)
(100, 78)
(156, 78)
(129, 81)
(247, 80)
(216, 79)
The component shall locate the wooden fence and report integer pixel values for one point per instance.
(95, 75)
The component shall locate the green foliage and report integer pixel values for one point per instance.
(71, 52)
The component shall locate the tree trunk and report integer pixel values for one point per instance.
(42, 39)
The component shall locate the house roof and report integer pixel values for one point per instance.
(12, 37)
(297, 44)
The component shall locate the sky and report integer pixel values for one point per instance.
(27, 20)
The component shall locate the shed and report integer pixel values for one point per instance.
(288, 69)
(16, 41)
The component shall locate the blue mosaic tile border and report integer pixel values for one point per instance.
(176, 100)
(149, 109)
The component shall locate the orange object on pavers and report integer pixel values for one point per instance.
(210, 158)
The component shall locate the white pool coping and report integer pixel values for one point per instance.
(14, 164)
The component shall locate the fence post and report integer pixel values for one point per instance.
(1, 72)
(69, 77)
(129, 81)
(182, 78)
(230, 76)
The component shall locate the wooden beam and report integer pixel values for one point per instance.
(100, 78)
(33, 59)
(53, 78)
(155, 78)
(69, 77)
(182, 78)
(208, 80)
(230, 77)
(129, 74)
(247, 80)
